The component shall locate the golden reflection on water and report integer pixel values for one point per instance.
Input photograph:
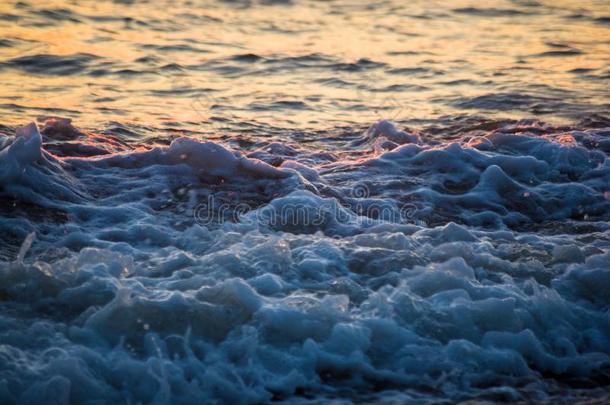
(460, 55)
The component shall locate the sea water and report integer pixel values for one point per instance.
(304, 202)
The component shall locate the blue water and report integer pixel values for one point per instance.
(304, 202)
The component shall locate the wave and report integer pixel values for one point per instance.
(403, 268)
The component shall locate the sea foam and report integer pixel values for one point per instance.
(431, 271)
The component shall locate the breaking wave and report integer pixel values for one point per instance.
(398, 266)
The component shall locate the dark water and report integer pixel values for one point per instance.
(304, 202)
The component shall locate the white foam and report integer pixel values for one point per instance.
(27, 172)
(136, 299)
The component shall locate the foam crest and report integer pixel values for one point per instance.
(28, 172)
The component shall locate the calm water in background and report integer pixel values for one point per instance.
(230, 216)
(301, 65)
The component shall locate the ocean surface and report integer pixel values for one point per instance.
(304, 202)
